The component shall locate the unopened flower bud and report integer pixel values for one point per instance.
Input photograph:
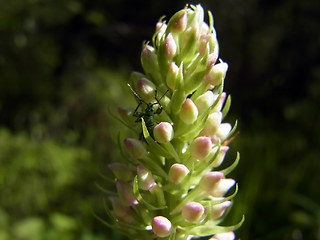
(125, 193)
(121, 171)
(213, 56)
(163, 132)
(161, 226)
(125, 114)
(209, 180)
(217, 73)
(145, 89)
(135, 148)
(221, 187)
(204, 101)
(223, 236)
(192, 211)
(135, 76)
(178, 172)
(219, 159)
(121, 212)
(179, 21)
(219, 209)
(223, 131)
(149, 59)
(212, 124)
(200, 147)
(146, 180)
(189, 112)
(170, 47)
(172, 75)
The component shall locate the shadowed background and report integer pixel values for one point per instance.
(64, 64)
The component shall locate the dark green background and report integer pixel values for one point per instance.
(64, 64)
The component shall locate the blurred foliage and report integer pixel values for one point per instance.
(63, 70)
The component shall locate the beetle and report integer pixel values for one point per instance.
(149, 112)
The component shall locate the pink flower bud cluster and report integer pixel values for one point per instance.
(167, 184)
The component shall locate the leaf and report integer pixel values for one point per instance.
(226, 107)
(229, 169)
(210, 228)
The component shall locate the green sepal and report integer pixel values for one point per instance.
(211, 22)
(229, 169)
(226, 107)
(140, 198)
(232, 132)
(210, 228)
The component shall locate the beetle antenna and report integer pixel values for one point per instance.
(135, 94)
(158, 100)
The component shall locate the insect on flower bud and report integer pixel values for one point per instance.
(161, 226)
(224, 131)
(163, 132)
(121, 171)
(145, 89)
(209, 180)
(192, 211)
(125, 193)
(200, 147)
(204, 101)
(149, 59)
(212, 124)
(172, 75)
(219, 209)
(189, 112)
(223, 236)
(216, 74)
(145, 178)
(170, 47)
(135, 148)
(177, 173)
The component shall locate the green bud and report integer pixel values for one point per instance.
(200, 147)
(161, 226)
(189, 112)
(172, 75)
(163, 132)
(219, 209)
(192, 211)
(205, 101)
(121, 171)
(146, 180)
(135, 148)
(177, 173)
(212, 124)
(125, 193)
(216, 74)
(170, 47)
(145, 89)
(178, 22)
(149, 59)
(121, 212)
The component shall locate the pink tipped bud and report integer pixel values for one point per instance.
(177, 173)
(212, 124)
(223, 236)
(121, 171)
(125, 193)
(121, 212)
(209, 181)
(163, 132)
(200, 147)
(189, 112)
(218, 107)
(170, 47)
(219, 209)
(146, 180)
(192, 211)
(180, 21)
(172, 75)
(161, 226)
(135, 148)
(224, 131)
(149, 59)
(217, 73)
(222, 187)
(146, 89)
(213, 57)
(135, 76)
(219, 159)
(204, 101)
